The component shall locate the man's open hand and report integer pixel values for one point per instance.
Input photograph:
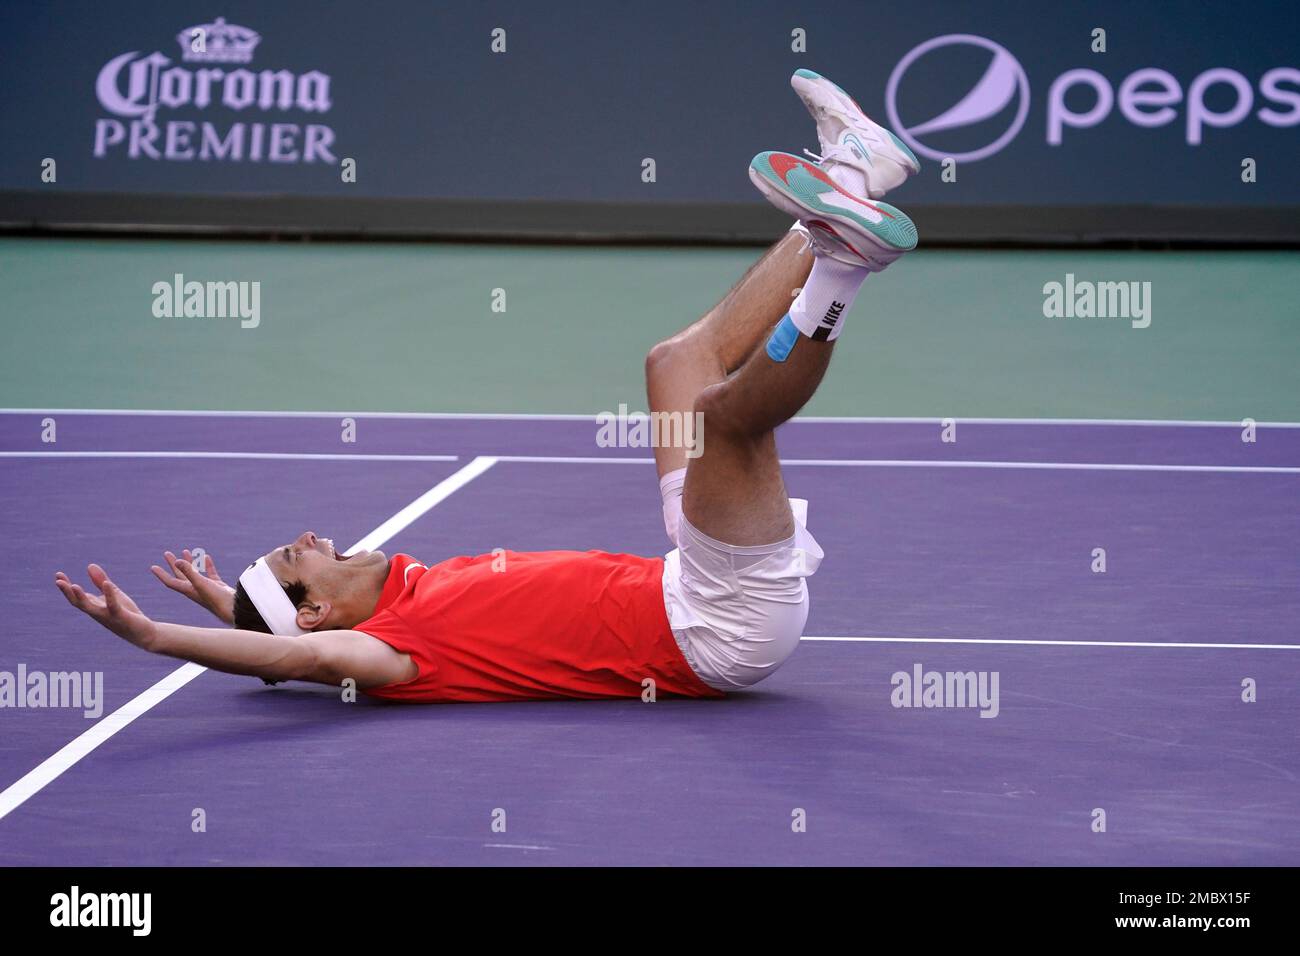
(207, 590)
(114, 609)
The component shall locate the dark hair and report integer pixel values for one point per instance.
(249, 618)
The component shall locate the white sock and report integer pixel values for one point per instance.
(670, 489)
(819, 309)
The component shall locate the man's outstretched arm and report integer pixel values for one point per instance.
(325, 658)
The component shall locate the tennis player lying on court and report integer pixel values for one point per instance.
(722, 611)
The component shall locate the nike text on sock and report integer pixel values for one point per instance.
(819, 309)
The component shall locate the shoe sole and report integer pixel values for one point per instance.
(795, 188)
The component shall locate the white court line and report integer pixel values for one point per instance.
(517, 846)
(574, 460)
(55, 765)
(1041, 465)
(31, 783)
(267, 455)
(981, 640)
(435, 495)
(531, 416)
(596, 460)
(923, 463)
(1087, 422)
(265, 414)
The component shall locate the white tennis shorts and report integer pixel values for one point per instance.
(737, 612)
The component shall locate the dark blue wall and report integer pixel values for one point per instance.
(587, 90)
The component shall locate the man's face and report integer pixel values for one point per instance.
(313, 561)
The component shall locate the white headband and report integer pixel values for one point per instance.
(264, 590)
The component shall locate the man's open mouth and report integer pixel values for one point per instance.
(342, 557)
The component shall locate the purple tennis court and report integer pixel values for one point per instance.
(1124, 587)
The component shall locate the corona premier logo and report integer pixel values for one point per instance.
(140, 91)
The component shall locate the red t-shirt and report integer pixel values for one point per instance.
(530, 626)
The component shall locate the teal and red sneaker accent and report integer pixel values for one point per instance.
(862, 232)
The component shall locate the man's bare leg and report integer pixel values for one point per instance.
(734, 492)
(706, 352)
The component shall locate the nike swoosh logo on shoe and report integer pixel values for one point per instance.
(783, 163)
(866, 153)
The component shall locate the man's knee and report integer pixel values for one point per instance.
(717, 407)
(660, 359)
(689, 352)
